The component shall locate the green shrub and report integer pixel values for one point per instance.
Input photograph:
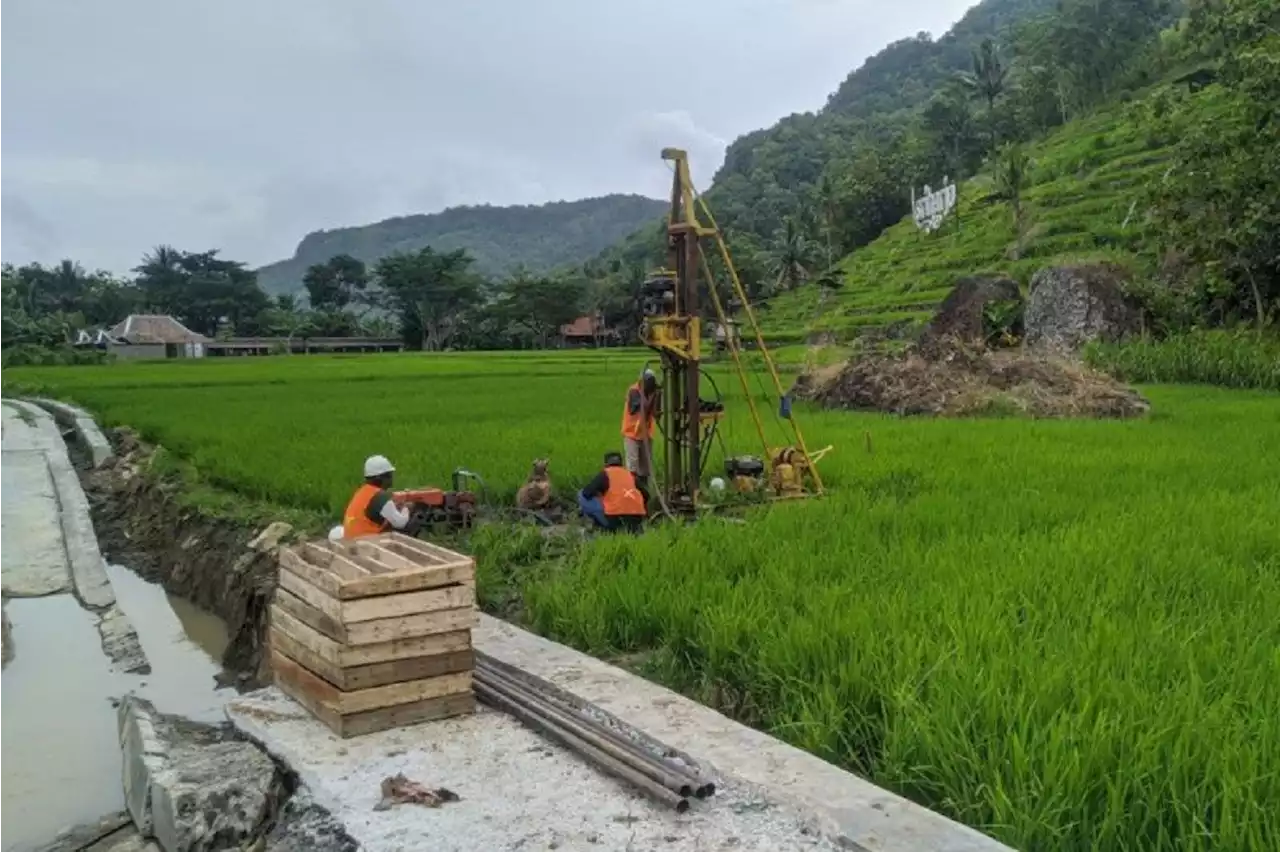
(1240, 359)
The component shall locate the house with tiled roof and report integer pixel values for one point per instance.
(155, 336)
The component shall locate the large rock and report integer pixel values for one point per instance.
(191, 787)
(960, 316)
(1072, 305)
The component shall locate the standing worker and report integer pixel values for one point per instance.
(613, 499)
(373, 508)
(642, 407)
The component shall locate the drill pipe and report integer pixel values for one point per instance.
(681, 779)
(594, 733)
(608, 763)
(546, 693)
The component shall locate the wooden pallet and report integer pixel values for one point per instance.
(374, 633)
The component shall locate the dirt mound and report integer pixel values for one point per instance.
(959, 380)
(962, 314)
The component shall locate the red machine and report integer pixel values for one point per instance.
(436, 508)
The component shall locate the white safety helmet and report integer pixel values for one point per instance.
(377, 466)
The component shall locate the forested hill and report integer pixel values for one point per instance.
(776, 172)
(500, 239)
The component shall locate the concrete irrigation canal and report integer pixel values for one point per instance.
(122, 730)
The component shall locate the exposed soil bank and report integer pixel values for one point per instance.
(141, 522)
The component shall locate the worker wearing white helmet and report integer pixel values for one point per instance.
(373, 508)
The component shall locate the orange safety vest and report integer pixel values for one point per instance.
(622, 498)
(355, 521)
(635, 426)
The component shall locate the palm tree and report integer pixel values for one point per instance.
(989, 73)
(792, 256)
(987, 80)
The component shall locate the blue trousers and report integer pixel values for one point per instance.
(593, 509)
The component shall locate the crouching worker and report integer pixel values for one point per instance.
(373, 508)
(613, 500)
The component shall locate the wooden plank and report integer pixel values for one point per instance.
(404, 715)
(333, 560)
(344, 703)
(428, 550)
(308, 615)
(375, 674)
(409, 626)
(413, 668)
(342, 656)
(348, 551)
(406, 603)
(300, 588)
(398, 649)
(407, 581)
(281, 643)
(322, 578)
(380, 554)
(308, 637)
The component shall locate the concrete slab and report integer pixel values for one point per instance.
(853, 811)
(518, 790)
(120, 642)
(188, 786)
(87, 431)
(31, 552)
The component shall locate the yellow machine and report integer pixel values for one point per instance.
(671, 325)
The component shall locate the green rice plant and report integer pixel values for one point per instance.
(1063, 633)
(1242, 359)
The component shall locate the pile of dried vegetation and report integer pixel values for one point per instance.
(952, 379)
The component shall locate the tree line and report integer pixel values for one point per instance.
(433, 299)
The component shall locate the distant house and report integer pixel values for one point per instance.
(588, 330)
(155, 336)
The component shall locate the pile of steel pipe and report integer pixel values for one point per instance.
(549, 714)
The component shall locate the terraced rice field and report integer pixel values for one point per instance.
(1082, 202)
(1063, 633)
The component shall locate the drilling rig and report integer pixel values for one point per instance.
(671, 307)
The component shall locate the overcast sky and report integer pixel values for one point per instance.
(244, 124)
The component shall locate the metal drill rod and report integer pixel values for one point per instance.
(593, 733)
(692, 783)
(593, 755)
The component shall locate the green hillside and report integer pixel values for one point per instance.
(1084, 200)
(538, 237)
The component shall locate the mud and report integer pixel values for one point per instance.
(208, 561)
(957, 380)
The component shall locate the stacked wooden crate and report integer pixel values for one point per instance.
(374, 633)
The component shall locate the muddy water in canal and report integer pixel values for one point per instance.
(61, 757)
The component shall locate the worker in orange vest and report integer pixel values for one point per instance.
(373, 507)
(643, 405)
(614, 500)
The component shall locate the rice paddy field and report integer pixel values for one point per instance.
(1066, 634)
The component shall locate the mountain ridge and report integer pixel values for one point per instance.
(539, 237)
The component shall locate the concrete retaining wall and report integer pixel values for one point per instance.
(87, 431)
(854, 812)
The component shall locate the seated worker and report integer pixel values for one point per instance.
(613, 499)
(373, 508)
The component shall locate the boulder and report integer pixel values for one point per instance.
(269, 539)
(1069, 306)
(193, 788)
(960, 316)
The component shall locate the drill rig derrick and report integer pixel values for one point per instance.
(671, 325)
